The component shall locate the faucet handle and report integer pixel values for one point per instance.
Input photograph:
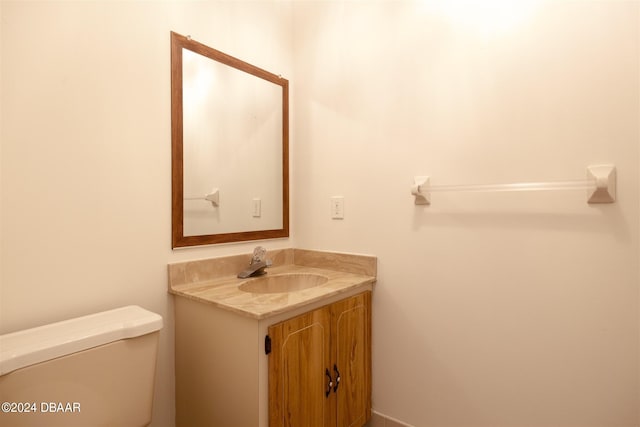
(259, 254)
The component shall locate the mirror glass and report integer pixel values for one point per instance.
(229, 148)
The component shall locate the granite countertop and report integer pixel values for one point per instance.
(209, 281)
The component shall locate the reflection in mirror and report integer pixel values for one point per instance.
(229, 148)
(232, 141)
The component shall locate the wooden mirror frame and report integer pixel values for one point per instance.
(178, 42)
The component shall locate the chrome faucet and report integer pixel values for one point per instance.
(257, 265)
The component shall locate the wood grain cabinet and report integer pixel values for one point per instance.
(320, 366)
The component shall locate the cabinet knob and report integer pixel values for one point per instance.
(335, 368)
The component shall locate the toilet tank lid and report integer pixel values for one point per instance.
(31, 346)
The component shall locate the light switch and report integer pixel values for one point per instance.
(337, 207)
(256, 208)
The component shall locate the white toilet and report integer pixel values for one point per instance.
(96, 370)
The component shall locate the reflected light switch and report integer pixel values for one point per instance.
(256, 208)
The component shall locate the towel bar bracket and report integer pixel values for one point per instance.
(605, 180)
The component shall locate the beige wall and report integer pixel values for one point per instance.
(491, 309)
(86, 153)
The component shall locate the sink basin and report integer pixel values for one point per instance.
(277, 283)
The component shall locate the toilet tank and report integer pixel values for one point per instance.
(95, 370)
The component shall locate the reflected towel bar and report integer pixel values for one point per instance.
(213, 197)
(600, 185)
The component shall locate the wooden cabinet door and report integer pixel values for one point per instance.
(300, 356)
(351, 328)
(308, 353)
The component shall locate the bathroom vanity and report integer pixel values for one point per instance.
(290, 348)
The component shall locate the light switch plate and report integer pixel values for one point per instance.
(256, 208)
(337, 207)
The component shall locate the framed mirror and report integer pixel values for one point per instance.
(229, 148)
